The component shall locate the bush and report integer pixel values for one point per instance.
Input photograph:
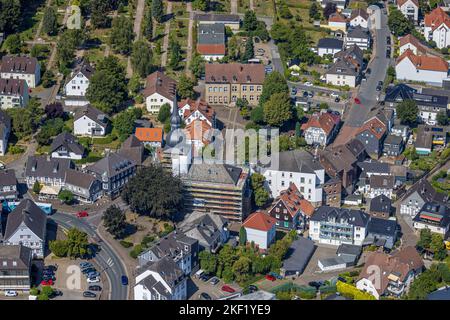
(137, 250)
(16, 150)
(59, 248)
(126, 244)
(348, 290)
(34, 291)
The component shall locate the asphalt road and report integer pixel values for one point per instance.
(106, 258)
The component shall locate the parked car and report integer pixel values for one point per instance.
(47, 277)
(204, 296)
(308, 84)
(214, 281)
(85, 264)
(93, 274)
(82, 214)
(88, 294)
(56, 293)
(334, 95)
(205, 277)
(47, 282)
(293, 91)
(50, 267)
(270, 277)
(88, 270)
(315, 284)
(11, 293)
(95, 288)
(378, 88)
(310, 94)
(368, 71)
(124, 280)
(252, 288)
(337, 99)
(93, 280)
(305, 94)
(228, 289)
(357, 101)
(276, 275)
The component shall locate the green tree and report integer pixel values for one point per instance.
(59, 248)
(257, 115)
(438, 247)
(157, 10)
(115, 222)
(329, 9)
(141, 58)
(154, 192)
(241, 268)
(25, 121)
(123, 123)
(175, 54)
(164, 113)
(185, 87)
(208, 261)
(50, 21)
(10, 16)
(314, 12)
(261, 197)
(37, 187)
(249, 50)
(99, 10)
(66, 196)
(398, 23)
(242, 236)
(47, 290)
(67, 43)
(442, 118)
(257, 181)
(277, 110)
(77, 244)
(250, 22)
(202, 5)
(298, 131)
(14, 43)
(122, 35)
(407, 112)
(148, 24)
(273, 83)
(197, 65)
(425, 238)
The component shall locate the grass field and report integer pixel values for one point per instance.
(264, 7)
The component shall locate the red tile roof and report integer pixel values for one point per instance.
(326, 121)
(414, 41)
(259, 221)
(431, 63)
(375, 126)
(149, 134)
(197, 105)
(158, 82)
(211, 49)
(337, 17)
(234, 73)
(436, 18)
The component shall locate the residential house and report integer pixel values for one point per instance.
(133, 149)
(13, 93)
(359, 17)
(66, 146)
(176, 247)
(161, 280)
(347, 255)
(346, 69)
(340, 4)
(297, 258)
(191, 110)
(84, 187)
(260, 229)
(159, 90)
(393, 145)
(211, 41)
(329, 46)
(419, 194)
(47, 171)
(294, 66)
(382, 233)
(437, 27)
(380, 207)
(337, 21)
(114, 171)
(340, 161)
(379, 185)
(27, 225)
(217, 188)
(301, 168)
(228, 20)
(332, 192)
(401, 131)
(209, 229)
(290, 210)
(429, 69)
(150, 136)
(8, 185)
(321, 128)
(358, 36)
(5, 130)
(15, 267)
(225, 83)
(412, 43)
(433, 216)
(77, 84)
(335, 226)
(89, 121)
(410, 9)
(21, 67)
(429, 138)
(396, 272)
(372, 134)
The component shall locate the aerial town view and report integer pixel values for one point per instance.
(224, 150)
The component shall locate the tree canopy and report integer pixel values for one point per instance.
(157, 10)
(273, 83)
(50, 21)
(278, 109)
(122, 35)
(123, 123)
(141, 58)
(114, 220)
(398, 23)
(407, 112)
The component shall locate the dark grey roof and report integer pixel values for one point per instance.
(5, 122)
(31, 215)
(358, 32)
(349, 249)
(69, 142)
(373, 167)
(383, 227)
(79, 179)
(211, 33)
(19, 64)
(111, 165)
(92, 113)
(343, 67)
(7, 178)
(384, 181)
(168, 270)
(393, 140)
(43, 166)
(205, 227)
(14, 257)
(133, 148)
(332, 43)
(436, 210)
(214, 173)
(226, 18)
(402, 92)
(380, 203)
(172, 245)
(350, 216)
(426, 191)
(298, 255)
(440, 294)
(298, 161)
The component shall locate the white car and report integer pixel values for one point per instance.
(334, 95)
(93, 280)
(11, 293)
(308, 84)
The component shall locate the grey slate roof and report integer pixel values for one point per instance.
(373, 167)
(350, 216)
(18, 64)
(332, 43)
(426, 191)
(7, 178)
(5, 122)
(358, 32)
(111, 165)
(298, 161)
(225, 18)
(171, 245)
(298, 255)
(133, 149)
(211, 33)
(69, 142)
(28, 213)
(383, 227)
(168, 270)
(214, 173)
(382, 181)
(380, 203)
(16, 257)
(41, 166)
(349, 249)
(393, 140)
(79, 179)
(92, 113)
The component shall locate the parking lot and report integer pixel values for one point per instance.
(197, 286)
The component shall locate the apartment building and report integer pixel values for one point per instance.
(25, 68)
(13, 93)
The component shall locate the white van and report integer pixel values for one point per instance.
(199, 273)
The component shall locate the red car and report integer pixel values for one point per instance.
(228, 289)
(82, 214)
(47, 282)
(357, 101)
(270, 277)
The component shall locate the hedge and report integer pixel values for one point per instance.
(126, 244)
(348, 290)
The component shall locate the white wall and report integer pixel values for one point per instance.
(155, 101)
(261, 238)
(409, 5)
(323, 51)
(440, 35)
(367, 286)
(77, 86)
(31, 79)
(141, 293)
(359, 21)
(71, 155)
(83, 126)
(341, 80)
(28, 239)
(405, 70)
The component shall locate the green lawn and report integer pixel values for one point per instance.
(263, 7)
